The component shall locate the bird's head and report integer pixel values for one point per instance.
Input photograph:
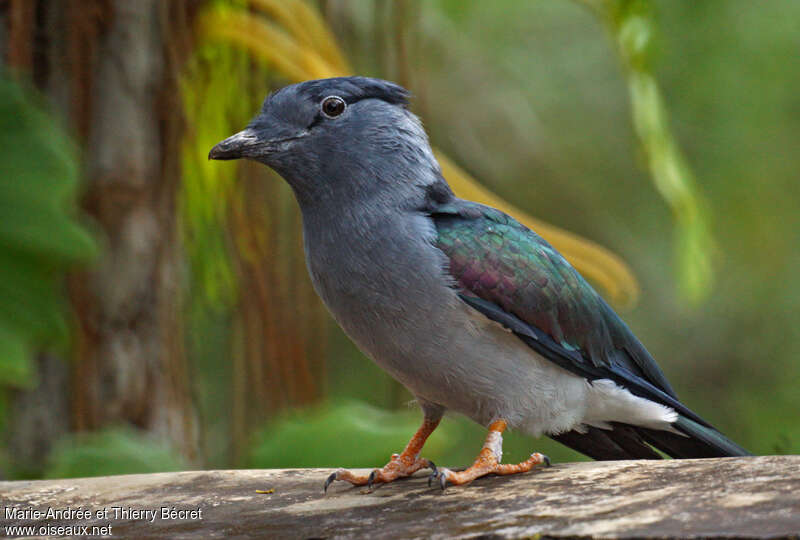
(335, 138)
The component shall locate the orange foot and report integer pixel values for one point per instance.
(401, 465)
(488, 461)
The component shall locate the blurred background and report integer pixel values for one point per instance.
(155, 312)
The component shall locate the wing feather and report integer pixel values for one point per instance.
(498, 261)
(513, 276)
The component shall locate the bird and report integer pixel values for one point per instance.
(469, 309)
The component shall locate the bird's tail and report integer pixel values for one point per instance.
(700, 441)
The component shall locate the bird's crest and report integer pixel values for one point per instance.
(352, 89)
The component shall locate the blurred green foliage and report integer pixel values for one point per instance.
(633, 26)
(118, 450)
(350, 434)
(39, 237)
(211, 94)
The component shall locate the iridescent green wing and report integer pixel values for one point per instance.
(513, 276)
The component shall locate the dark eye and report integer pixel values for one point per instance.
(333, 106)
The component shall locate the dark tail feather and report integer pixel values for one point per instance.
(700, 442)
(633, 442)
(621, 442)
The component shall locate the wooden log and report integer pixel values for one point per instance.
(734, 497)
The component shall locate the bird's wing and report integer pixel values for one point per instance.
(513, 276)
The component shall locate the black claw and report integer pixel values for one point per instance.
(442, 481)
(370, 480)
(433, 475)
(432, 466)
(329, 481)
(547, 461)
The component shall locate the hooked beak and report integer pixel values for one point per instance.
(255, 143)
(236, 146)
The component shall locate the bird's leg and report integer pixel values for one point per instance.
(488, 461)
(404, 464)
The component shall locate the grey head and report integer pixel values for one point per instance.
(341, 139)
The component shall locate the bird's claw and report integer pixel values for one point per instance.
(370, 480)
(329, 481)
(434, 472)
(482, 467)
(393, 470)
(441, 475)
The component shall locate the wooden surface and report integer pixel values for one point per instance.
(730, 498)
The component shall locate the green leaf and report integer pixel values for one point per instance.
(16, 368)
(210, 98)
(633, 25)
(118, 450)
(347, 435)
(39, 236)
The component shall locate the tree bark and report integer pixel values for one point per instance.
(40, 416)
(130, 365)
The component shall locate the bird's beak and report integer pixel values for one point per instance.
(236, 146)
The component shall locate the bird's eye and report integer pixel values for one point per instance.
(333, 106)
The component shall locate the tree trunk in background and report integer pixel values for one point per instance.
(40, 416)
(131, 365)
(111, 68)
